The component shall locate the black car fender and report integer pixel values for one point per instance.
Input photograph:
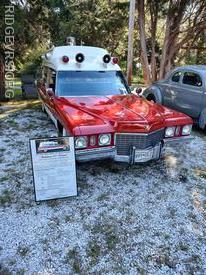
(153, 93)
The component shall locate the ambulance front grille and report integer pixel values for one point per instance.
(125, 141)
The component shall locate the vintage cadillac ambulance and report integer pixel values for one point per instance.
(86, 95)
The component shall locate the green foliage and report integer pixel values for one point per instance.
(96, 23)
(31, 60)
(40, 24)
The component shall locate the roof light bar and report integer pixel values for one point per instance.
(79, 58)
(65, 59)
(106, 58)
(115, 60)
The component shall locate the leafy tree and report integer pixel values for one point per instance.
(184, 22)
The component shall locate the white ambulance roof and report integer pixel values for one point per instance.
(92, 62)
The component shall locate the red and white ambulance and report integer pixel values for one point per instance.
(86, 95)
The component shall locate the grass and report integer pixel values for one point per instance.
(109, 234)
(6, 197)
(2, 150)
(21, 271)
(111, 239)
(14, 106)
(17, 81)
(52, 203)
(23, 251)
(30, 127)
(4, 271)
(12, 123)
(82, 183)
(3, 179)
(183, 175)
(72, 258)
(68, 218)
(103, 197)
(200, 172)
(17, 92)
(93, 251)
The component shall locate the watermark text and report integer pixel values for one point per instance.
(9, 51)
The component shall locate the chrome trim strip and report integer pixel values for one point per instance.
(95, 150)
(95, 154)
(140, 134)
(177, 140)
(51, 115)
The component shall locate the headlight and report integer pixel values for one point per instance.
(170, 132)
(104, 139)
(81, 142)
(186, 130)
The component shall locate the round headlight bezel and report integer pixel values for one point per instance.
(172, 129)
(189, 127)
(84, 139)
(104, 143)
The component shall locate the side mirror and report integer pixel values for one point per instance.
(137, 91)
(50, 92)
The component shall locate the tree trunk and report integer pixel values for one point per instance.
(2, 78)
(200, 43)
(144, 57)
(153, 15)
(172, 29)
(130, 41)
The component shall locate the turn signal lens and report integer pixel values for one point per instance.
(104, 139)
(93, 140)
(170, 131)
(80, 142)
(115, 60)
(186, 130)
(65, 59)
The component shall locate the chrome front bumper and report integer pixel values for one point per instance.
(131, 158)
(178, 140)
(95, 154)
(105, 153)
(110, 152)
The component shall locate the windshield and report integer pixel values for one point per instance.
(88, 83)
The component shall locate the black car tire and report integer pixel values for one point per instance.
(151, 97)
(202, 119)
(153, 93)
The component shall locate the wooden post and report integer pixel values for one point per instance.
(142, 35)
(130, 41)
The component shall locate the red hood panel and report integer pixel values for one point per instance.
(127, 113)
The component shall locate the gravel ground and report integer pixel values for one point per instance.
(141, 219)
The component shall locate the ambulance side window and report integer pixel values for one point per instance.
(51, 79)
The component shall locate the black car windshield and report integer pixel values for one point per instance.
(88, 83)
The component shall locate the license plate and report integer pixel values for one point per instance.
(143, 155)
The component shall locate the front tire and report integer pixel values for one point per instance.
(151, 97)
(43, 108)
